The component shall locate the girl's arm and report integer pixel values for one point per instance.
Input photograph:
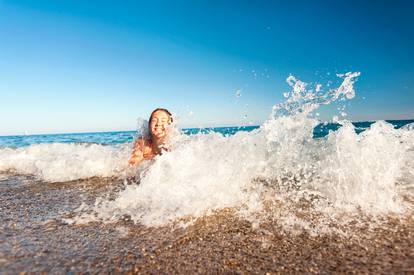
(137, 155)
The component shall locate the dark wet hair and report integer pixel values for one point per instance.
(152, 114)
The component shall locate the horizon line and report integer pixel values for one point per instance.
(184, 128)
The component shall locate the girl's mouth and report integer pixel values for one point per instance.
(159, 130)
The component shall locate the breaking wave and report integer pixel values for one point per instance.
(247, 170)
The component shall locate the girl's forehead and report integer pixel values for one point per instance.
(160, 114)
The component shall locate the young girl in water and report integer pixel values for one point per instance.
(145, 149)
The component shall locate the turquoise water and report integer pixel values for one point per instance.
(112, 138)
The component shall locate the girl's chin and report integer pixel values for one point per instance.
(159, 135)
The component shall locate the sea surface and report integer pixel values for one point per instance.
(292, 195)
(119, 137)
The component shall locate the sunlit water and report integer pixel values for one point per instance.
(264, 172)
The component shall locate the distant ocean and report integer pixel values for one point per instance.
(119, 137)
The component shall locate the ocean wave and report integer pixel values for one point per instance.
(280, 163)
(59, 162)
(206, 172)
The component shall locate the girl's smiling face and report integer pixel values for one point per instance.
(159, 124)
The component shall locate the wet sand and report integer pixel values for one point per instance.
(34, 238)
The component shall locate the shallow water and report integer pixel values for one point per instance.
(34, 238)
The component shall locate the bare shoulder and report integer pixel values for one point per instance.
(141, 143)
(138, 151)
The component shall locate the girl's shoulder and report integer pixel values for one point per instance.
(142, 143)
(145, 146)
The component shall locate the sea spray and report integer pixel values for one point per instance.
(281, 159)
(60, 162)
(276, 171)
(193, 179)
(361, 170)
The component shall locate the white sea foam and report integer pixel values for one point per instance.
(58, 162)
(206, 172)
(279, 162)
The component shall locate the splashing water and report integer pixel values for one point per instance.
(238, 93)
(206, 172)
(265, 173)
(60, 162)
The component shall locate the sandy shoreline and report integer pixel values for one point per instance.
(34, 239)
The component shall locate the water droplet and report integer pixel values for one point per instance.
(238, 93)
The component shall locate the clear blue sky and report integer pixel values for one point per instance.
(71, 66)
